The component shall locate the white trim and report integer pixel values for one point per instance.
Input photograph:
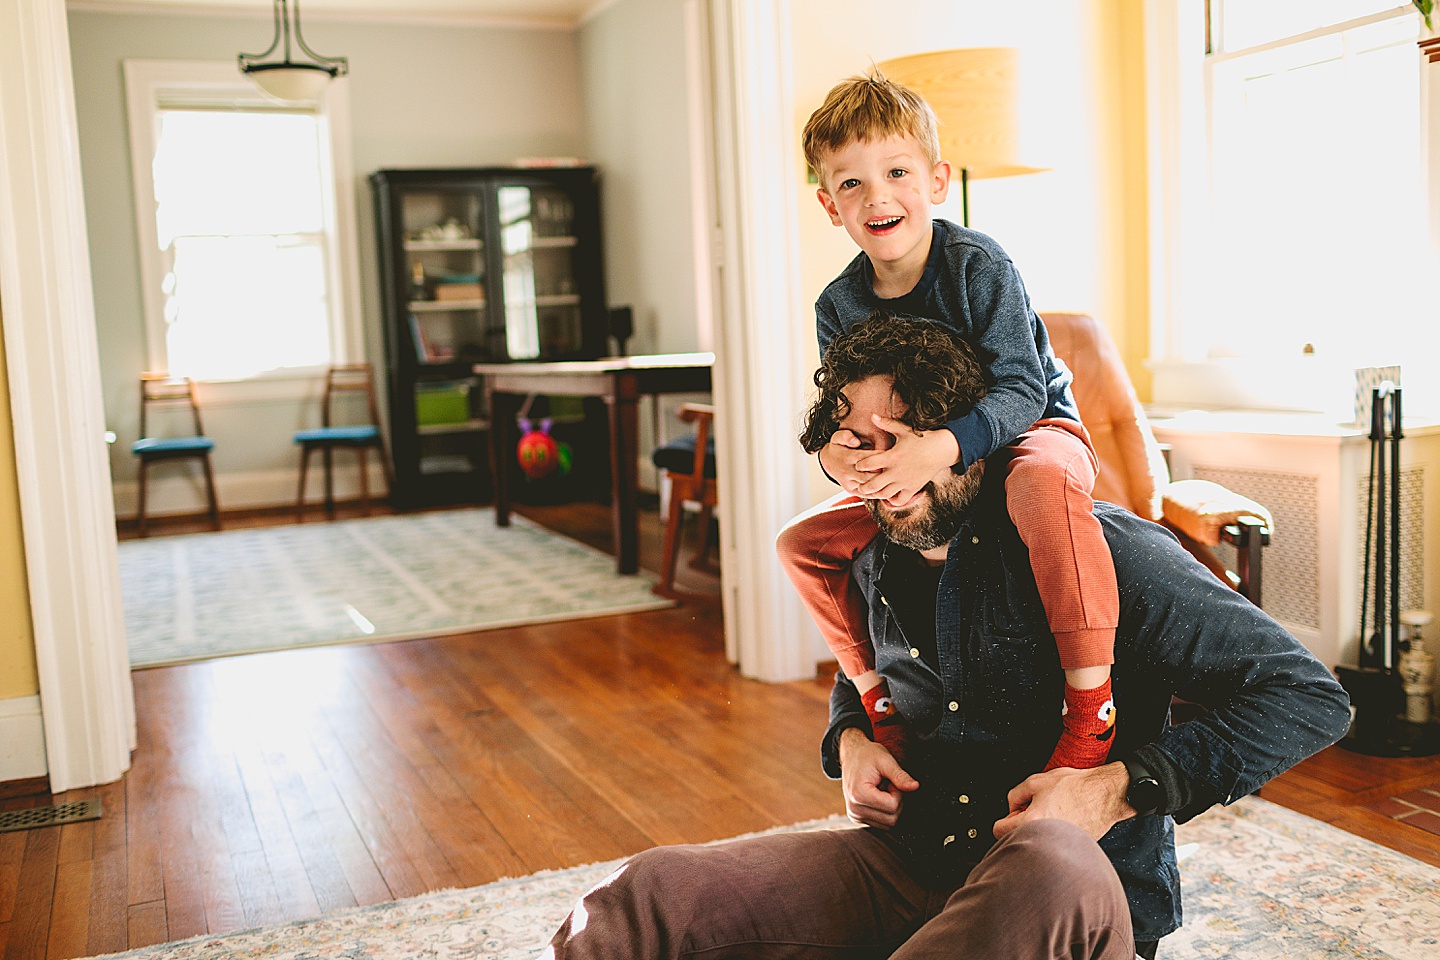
(54, 369)
(177, 489)
(1176, 160)
(1221, 55)
(398, 17)
(344, 256)
(704, 238)
(22, 739)
(146, 82)
(759, 344)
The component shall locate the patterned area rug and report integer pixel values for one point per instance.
(359, 581)
(1261, 883)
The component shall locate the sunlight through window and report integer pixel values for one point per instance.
(1320, 234)
(241, 223)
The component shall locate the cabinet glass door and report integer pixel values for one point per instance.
(445, 264)
(541, 297)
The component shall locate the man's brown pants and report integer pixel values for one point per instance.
(1045, 891)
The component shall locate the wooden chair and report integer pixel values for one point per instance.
(690, 464)
(1133, 472)
(159, 390)
(342, 380)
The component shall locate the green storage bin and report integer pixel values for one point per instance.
(437, 404)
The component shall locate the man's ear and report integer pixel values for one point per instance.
(828, 202)
(940, 182)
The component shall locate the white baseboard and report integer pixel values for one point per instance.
(22, 739)
(182, 491)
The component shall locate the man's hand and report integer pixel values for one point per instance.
(1093, 800)
(839, 456)
(871, 780)
(897, 474)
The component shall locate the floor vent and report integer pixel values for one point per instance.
(72, 812)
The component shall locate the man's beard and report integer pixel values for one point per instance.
(935, 517)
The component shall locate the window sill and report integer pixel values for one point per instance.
(1299, 385)
(291, 386)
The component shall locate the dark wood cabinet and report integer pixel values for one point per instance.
(493, 264)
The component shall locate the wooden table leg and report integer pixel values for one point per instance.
(502, 418)
(623, 404)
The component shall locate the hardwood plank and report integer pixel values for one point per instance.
(147, 924)
(108, 926)
(29, 933)
(12, 855)
(392, 856)
(70, 918)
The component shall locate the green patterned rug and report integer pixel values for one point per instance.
(210, 595)
(1260, 883)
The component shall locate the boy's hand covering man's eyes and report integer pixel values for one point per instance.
(839, 457)
(897, 474)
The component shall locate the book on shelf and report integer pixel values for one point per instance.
(451, 291)
(426, 350)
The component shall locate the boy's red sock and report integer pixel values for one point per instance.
(1089, 721)
(885, 721)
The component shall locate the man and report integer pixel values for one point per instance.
(961, 637)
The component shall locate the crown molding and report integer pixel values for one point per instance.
(429, 18)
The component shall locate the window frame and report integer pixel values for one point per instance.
(147, 83)
(1180, 183)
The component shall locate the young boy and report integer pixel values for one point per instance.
(874, 145)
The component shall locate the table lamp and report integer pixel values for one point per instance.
(975, 92)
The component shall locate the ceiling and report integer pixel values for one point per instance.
(547, 11)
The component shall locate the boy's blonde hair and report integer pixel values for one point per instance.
(869, 108)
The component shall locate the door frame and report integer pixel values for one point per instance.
(52, 359)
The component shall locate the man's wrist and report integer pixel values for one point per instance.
(849, 740)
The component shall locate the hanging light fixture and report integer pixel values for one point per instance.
(288, 79)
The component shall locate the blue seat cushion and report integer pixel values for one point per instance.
(679, 455)
(364, 434)
(171, 445)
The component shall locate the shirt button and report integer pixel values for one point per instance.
(972, 833)
(953, 706)
(964, 798)
(974, 539)
(914, 651)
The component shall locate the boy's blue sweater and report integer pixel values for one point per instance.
(971, 287)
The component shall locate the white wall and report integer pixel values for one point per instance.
(420, 95)
(1059, 227)
(636, 117)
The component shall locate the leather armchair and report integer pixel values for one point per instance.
(1133, 471)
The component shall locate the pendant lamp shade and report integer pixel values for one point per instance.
(288, 79)
(975, 92)
(294, 82)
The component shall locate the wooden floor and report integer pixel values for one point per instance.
(283, 785)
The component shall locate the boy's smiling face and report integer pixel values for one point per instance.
(881, 192)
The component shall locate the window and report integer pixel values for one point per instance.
(244, 261)
(1319, 225)
(1293, 217)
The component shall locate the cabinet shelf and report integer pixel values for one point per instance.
(444, 306)
(440, 429)
(559, 300)
(426, 246)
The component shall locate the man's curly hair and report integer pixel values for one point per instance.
(936, 374)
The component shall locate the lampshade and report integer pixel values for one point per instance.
(288, 79)
(975, 92)
(293, 82)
